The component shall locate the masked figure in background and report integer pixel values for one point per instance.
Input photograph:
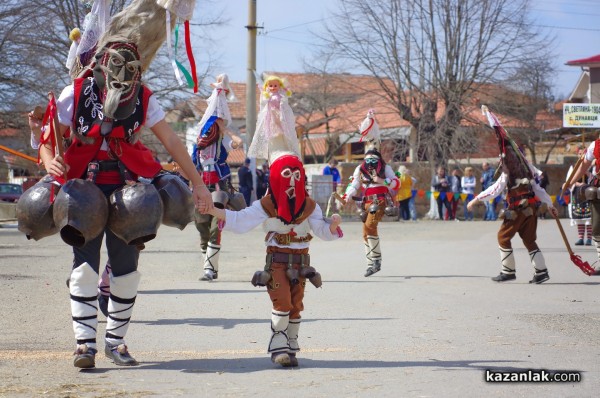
(380, 184)
(104, 109)
(210, 156)
(524, 196)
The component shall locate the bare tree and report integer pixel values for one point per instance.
(531, 85)
(319, 104)
(433, 52)
(34, 43)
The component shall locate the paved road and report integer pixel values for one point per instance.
(428, 325)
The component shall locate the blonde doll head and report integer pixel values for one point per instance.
(273, 84)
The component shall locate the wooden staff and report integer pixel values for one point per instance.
(575, 168)
(338, 197)
(584, 266)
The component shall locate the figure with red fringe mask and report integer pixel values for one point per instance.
(290, 218)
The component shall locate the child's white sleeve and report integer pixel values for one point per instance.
(245, 220)
(319, 226)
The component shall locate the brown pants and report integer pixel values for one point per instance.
(526, 226)
(284, 296)
(370, 224)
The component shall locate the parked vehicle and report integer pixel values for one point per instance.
(10, 192)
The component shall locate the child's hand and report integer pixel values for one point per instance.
(334, 227)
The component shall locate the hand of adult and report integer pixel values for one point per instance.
(202, 198)
(57, 167)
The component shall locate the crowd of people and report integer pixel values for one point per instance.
(449, 194)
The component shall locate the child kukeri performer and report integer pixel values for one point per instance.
(288, 216)
(524, 197)
(380, 184)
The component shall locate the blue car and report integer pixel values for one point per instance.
(10, 192)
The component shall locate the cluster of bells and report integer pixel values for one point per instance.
(390, 210)
(262, 278)
(80, 211)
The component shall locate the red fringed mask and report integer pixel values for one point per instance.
(287, 184)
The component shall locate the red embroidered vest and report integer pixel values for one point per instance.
(87, 122)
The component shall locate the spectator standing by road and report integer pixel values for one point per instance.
(332, 170)
(245, 181)
(441, 184)
(404, 195)
(262, 180)
(468, 188)
(487, 180)
(455, 188)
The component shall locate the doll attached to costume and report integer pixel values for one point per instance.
(276, 124)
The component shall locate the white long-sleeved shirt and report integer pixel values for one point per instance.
(356, 183)
(499, 186)
(247, 219)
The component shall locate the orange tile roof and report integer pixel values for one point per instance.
(349, 97)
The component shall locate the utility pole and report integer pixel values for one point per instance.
(251, 86)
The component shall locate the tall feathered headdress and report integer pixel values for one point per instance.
(512, 160)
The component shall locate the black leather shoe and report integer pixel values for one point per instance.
(119, 355)
(85, 358)
(540, 277)
(504, 277)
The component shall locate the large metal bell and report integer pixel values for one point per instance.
(177, 200)
(34, 209)
(135, 213)
(80, 212)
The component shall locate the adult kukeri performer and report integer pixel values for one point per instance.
(380, 184)
(524, 196)
(105, 109)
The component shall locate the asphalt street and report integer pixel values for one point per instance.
(430, 324)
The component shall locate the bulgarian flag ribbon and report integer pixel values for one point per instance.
(191, 78)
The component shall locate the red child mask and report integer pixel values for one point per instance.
(287, 184)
